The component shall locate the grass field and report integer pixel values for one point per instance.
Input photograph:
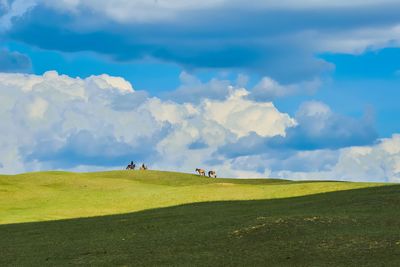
(160, 218)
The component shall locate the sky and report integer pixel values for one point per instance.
(289, 89)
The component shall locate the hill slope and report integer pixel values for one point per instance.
(58, 195)
(290, 224)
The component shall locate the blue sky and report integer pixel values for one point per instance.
(320, 80)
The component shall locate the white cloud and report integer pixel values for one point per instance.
(267, 89)
(380, 162)
(243, 116)
(37, 108)
(358, 40)
(106, 82)
(271, 88)
(194, 90)
(313, 109)
(56, 121)
(315, 115)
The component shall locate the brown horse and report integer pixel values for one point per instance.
(201, 172)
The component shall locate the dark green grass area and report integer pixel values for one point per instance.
(359, 227)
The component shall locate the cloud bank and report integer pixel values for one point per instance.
(54, 121)
(282, 39)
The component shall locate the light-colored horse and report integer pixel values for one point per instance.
(201, 172)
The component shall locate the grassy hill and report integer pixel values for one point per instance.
(163, 218)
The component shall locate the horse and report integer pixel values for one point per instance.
(201, 172)
(212, 174)
(131, 166)
(143, 167)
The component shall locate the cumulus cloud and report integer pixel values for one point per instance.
(194, 90)
(379, 162)
(243, 116)
(277, 162)
(317, 127)
(267, 89)
(56, 121)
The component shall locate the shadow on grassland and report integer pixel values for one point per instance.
(344, 228)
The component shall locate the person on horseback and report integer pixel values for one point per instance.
(131, 166)
(143, 167)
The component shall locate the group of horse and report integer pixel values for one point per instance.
(202, 172)
(132, 166)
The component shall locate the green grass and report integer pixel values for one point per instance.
(58, 195)
(162, 218)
